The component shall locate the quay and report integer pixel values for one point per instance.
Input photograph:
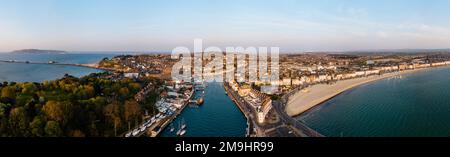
(250, 131)
(171, 118)
(159, 126)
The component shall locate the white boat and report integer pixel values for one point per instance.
(182, 128)
(183, 125)
(172, 128)
(135, 133)
(182, 133)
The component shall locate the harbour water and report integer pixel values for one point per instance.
(417, 104)
(217, 117)
(21, 72)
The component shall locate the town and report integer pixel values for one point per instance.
(265, 112)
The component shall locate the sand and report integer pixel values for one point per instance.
(317, 94)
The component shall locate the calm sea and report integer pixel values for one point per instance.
(19, 72)
(416, 105)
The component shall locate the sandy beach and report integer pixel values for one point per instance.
(317, 94)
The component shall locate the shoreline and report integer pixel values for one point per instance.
(302, 102)
(89, 65)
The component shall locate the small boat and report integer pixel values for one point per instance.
(200, 101)
(182, 128)
(172, 128)
(183, 124)
(182, 133)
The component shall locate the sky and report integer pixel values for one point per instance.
(162, 25)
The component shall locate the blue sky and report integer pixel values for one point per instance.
(161, 25)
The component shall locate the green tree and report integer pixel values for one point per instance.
(53, 129)
(28, 88)
(124, 92)
(61, 112)
(132, 111)
(135, 87)
(18, 122)
(37, 126)
(77, 133)
(112, 114)
(4, 110)
(9, 92)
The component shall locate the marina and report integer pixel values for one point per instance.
(217, 117)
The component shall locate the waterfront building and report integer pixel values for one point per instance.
(322, 78)
(372, 72)
(131, 75)
(438, 64)
(244, 90)
(350, 75)
(312, 78)
(339, 77)
(264, 109)
(402, 67)
(360, 73)
(287, 82)
(296, 82)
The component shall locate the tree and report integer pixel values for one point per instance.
(124, 92)
(37, 126)
(77, 133)
(28, 88)
(60, 112)
(86, 92)
(9, 92)
(4, 110)
(53, 129)
(135, 87)
(18, 122)
(112, 114)
(132, 110)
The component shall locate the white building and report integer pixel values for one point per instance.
(131, 75)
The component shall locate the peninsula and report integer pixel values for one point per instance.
(38, 51)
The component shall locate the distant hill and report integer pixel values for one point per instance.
(37, 51)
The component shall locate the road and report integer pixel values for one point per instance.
(301, 128)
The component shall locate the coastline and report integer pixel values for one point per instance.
(89, 65)
(301, 101)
